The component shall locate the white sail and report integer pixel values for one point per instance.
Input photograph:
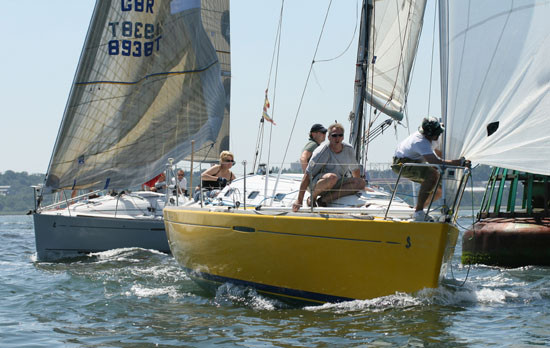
(148, 83)
(394, 39)
(494, 60)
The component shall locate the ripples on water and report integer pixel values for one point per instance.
(141, 298)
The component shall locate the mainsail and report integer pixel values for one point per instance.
(393, 41)
(495, 82)
(388, 42)
(150, 80)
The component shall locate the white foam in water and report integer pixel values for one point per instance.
(122, 254)
(487, 290)
(494, 295)
(140, 291)
(112, 254)
(247, 296)
(398, 300)
(162, 272)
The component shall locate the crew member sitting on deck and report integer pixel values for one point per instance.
(160, 185)
(334, 170)
(181, 183)
(217, 177)
(317, 135)
(419, 148)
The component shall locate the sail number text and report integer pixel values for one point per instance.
(133, 43)
(134, 39)
(138, 5)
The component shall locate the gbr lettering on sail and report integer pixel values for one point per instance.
(134, 38)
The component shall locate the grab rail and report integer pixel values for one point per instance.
(67, 201)
(441, 168)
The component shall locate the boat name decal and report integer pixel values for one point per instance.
(408, 245)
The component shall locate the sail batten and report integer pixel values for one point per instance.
(151, 79)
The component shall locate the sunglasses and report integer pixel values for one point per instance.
(231, 161)
(334, 135)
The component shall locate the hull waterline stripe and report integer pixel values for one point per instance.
(270, 289)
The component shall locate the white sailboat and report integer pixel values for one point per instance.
(360, 246)
(153, 77)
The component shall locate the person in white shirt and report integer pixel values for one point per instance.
(182, 183)
(419, 148)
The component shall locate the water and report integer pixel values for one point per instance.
(141, 298)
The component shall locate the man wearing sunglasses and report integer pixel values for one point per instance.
(333, 171)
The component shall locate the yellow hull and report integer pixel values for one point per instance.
(315, 258)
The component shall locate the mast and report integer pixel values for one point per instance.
(361, 79)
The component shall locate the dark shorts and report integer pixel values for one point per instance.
(341, 181)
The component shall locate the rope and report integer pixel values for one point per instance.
(473, 232)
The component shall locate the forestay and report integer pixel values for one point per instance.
(149, 81)
(494, 60)
(394, 41)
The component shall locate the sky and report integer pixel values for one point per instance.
(42, 40)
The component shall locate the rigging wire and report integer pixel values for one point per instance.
(305, 87)
(199, 163)
(278, 46)
(350, 42)
(278, 49)
(274, 56)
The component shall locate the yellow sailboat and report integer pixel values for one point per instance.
(311, 257)
(361, 246)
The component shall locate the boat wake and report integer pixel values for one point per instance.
(449, 293)
(231, 294)
(123, 254)
(398, 300)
